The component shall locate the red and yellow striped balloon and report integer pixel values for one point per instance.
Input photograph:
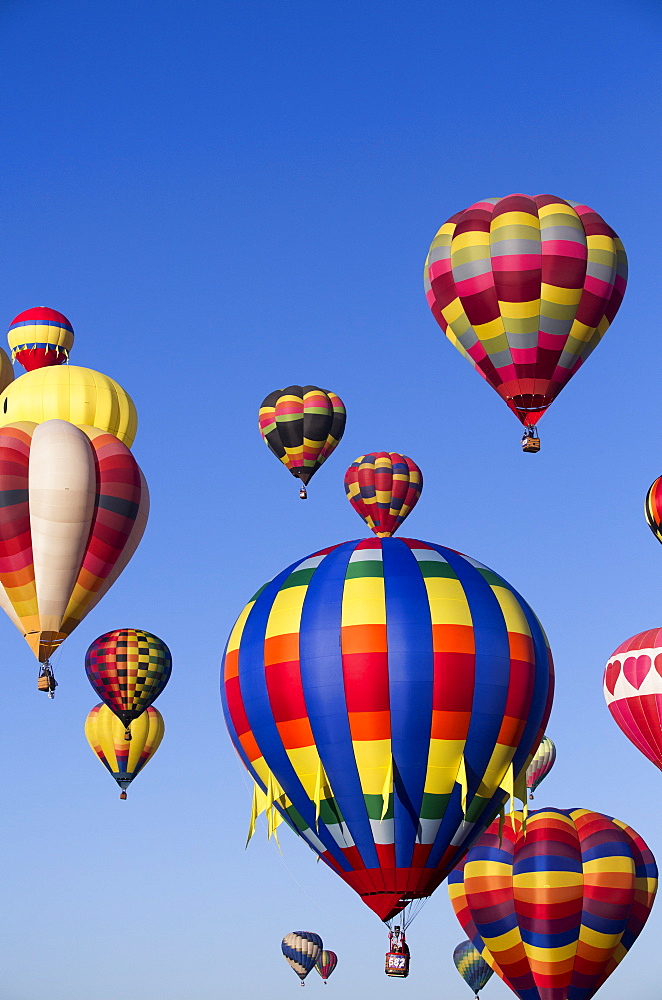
(383, 487)
(555, 906)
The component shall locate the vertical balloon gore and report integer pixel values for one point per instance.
(383, 487)
(525, 287)
(40, 338)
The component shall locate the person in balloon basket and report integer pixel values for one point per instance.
(397, 957)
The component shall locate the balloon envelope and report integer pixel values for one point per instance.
(632, 686)
(542, 763)
(301, 950)
(40, 338)
(557, 905)
(472, 967)
(78, 395)
(381, 691)
(326, 963)
(525, 287)
(302, 425)
(653, 508)
(124, 759)
(128, 668)
(75, 508)
(383, 488)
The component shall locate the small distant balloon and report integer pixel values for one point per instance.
(383, 487)
(326, 963)
(302, 425)
(472, 966)
(302, 950)
(105, 734)
(541, 765)
(40, 338)
(653, 508)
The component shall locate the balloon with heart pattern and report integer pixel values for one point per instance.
(633, 691)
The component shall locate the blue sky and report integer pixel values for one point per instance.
(228, 197)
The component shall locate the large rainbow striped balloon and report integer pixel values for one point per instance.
(525, 287)
(385, 694)
(557, 905)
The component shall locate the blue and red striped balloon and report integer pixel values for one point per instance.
(384, 693)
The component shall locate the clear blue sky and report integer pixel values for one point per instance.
(232, 195)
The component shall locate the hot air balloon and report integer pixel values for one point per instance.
(75, 507)
(128, 668)
(525, 287)
(385, 695)
(325, 964)
(541, 765)
(301, 950)
(472, 967)
(383, 488)
(653, 508)
(78, 395)
(558, 904)
(632, 687)
(105, 734)
(40, 338)
(302, 425)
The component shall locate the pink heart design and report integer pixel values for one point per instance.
(636, 668)
(658, 663)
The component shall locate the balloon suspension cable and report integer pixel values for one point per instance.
(303, 495)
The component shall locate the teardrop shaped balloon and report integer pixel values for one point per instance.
(105, 734)
(75, 507)
(385, 694)
(525, 287)
(632, 687)
(40, 338)
(302, 426)
(541, 765)
(301, 950)
(557, 903)
(653, 508)
(128, 668)
(383, 487)
(326, 963)
(472, 967)
(78, 395)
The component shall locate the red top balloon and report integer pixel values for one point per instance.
(40, 338)
(633, 691)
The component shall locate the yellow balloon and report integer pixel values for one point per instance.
(105, 734)
(6, 370)
(67, 392)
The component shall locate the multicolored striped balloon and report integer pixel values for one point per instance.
(302, 950)
(383, 488)
(73, 510)
(40, 338)
(105, 734)
(632, 686)
(128, 668)
(525, 287)
(302, 425)
(472, 967)
(326, 963)
(653, 508)
(541, 765)
(558, 904)
(385, 694)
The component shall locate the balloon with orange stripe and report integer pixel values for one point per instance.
(653, 508)
(556, 904)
